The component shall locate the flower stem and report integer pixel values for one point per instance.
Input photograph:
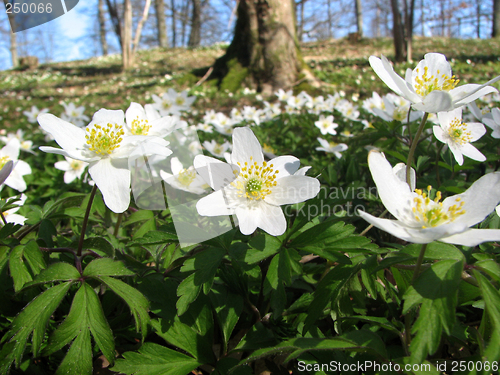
(420, 259)
(118, 223)
(413, 147)
(85, 220)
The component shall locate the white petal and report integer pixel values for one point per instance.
(457, 152)
(67, 135)
(134, 111)
(471, 152)
(479, 200)
(272, 220)
(435, 101)
(215, 204)
(439, 133)
(473, 237)
(394, 193)
(114, 182)
(246, 145)
(74, 154)
(285, 165)
(293, 189)
(248, 218)
(216, 173)
(6, 171)
(386, 73)
(400, 172)
(468, 93)
(111, 116)
(16, 181)
(11, 149)
(477, 130)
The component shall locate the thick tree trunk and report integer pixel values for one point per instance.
(195, 36)
(496, 19)
(397, 31)
(102, 28)
(409, 30)
(161, 25)
(264, 48)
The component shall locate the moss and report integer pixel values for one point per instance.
(235, 76)
(187, 79)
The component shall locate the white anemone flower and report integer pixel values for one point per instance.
(104, 145)
(494, 122)
(10, 215)
(74, 114)
(430, 87)
(458, 135)
(259, 189)
(11, 152)
(73, 169)
(25, 145)
(33, 114)
(144, 121)
(184, 178)
(331, 147)
(422, 219)
(326, 125)
(217, 149)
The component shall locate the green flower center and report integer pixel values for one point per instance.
(186, 177)
(424, 84)
(255, 181)
(458, 132)
(140, 126)
(3, 161)
(103, 140)
(430, 213)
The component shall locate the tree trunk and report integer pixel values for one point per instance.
(115, 20)
(13, 42)
(138, 31)
(359, 17)
(161, 25)
(127, 35)
(184, 21)
(195, 36)
(174, 21)
(409, 30)
(496, 19)
(102, 28)
(264, 48)
(397, 32)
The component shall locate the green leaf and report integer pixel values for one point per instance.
(205, 265)
(141, 215)
(436, 289)
(154, 238)
(102, 246)
(20, 257)
(328, 291)
(327, 230)
(86, 316)
(106, 267)
(228, 308)
(491, 298)
(137, 303)
(56, 272)
(78, 360)
(154, 359)
(33, 319)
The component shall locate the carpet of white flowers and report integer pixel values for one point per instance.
(304, 234)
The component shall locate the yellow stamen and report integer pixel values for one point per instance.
(103, 140)
(424, 84)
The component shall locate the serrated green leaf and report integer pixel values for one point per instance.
(106, 267)
(20, 257)
(436, 289)
(8, 229)
(490, 267)
(34, 319)
(55, 272)
(86, 315)
(141, 215)
(137, 303)
(154, 238)
(78, 360)
(154, 359)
